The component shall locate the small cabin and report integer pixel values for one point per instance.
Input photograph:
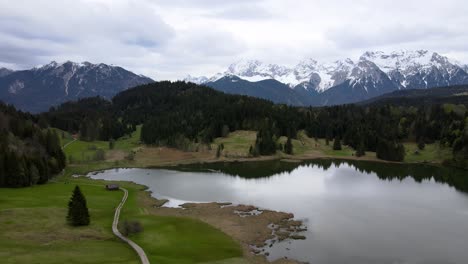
(112, 187)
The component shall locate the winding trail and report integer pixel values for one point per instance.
(64, 146)
(141, 253)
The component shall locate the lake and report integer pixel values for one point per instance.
(356, 212)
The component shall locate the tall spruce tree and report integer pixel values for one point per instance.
(361, 149)
(337, 144)
(288, 147)
(78, 214)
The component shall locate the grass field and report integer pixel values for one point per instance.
(33, 229)
(64, 136)
(431, 153)
(84, 151)
(237, 143)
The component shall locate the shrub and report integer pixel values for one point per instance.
(131, 227)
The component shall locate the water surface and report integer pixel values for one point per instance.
(356, 212)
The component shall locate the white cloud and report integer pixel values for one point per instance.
(167, 39)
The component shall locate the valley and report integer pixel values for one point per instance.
(193, 160)
(233, 132)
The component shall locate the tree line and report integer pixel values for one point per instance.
(177, 113)
(29, 154)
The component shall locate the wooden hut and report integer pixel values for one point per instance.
(112, 187)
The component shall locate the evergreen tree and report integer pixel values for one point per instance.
(360, 151)
(390, 150)
(337, 144)
(218, 151)
(111, 143)
(265, 144)
(78, 214)
(288, 147)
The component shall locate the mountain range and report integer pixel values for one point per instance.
(307, 83)
(37, 89)
(339, 82)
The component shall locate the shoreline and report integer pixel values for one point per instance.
(252, 232)
(253, 228)
(289, 158)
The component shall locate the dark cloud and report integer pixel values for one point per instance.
(171, 38)
(81, 29)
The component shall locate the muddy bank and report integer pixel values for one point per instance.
(253, 228)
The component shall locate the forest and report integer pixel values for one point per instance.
(176, 113)
(30, 152)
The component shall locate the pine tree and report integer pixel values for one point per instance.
(78, 214)
(288, 147)
(218, 151)
(390, 150)
(360, 151)
(337, 144)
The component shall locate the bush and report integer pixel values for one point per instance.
(421, 144)
(130, 156)
(92, 147)
(131, 227)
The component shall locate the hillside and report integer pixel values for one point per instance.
(29, 152)
(203, 114)
(37, 89)
(416, 97)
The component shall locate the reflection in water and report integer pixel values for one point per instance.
(386, 171)
(356, 212)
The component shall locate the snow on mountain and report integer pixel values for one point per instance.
(43, 86)
(418, 69)
(398, 60)
(308, 74)
(197, 80)
(406, 69)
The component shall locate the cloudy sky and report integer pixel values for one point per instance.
(168, 39)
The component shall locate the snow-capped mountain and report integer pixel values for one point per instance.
(44, 86)
(197, 80)
(418, 69)
(374, 73)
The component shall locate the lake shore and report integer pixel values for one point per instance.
(148, 157)
(253, 228)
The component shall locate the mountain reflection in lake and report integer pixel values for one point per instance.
(356, 212)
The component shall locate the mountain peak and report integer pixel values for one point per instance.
(404, 69)
(43, 86)
(196, 80)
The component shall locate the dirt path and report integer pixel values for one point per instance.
(64, 146)
(138, 249)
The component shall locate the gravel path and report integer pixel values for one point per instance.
(138, 249)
